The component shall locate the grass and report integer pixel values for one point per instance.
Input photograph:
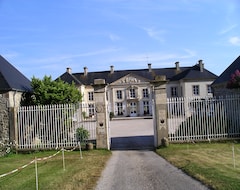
(79, 173)
(211, 163)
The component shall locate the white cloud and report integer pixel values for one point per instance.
(235, 40)
(114, 37)
(227, 29)
(61, 58)
(155, 34)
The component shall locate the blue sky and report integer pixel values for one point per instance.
(43, 37)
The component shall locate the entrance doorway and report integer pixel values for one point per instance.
(132, 134)
(133, 109)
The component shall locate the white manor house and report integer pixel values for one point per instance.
(129, 92)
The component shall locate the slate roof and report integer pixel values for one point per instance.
(226, 75)
(11, 79)
(67, 77)
(171, 75)
(193, 73)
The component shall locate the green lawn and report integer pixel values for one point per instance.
(79, 173)
(211, 163)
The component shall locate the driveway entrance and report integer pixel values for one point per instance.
(132, 134)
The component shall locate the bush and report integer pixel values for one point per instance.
(82, 134)
(111, 115)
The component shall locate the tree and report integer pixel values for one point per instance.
(47, 91)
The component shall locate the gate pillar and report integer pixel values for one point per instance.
(160, 110)
(102, 136)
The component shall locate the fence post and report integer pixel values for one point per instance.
(160, 107)
(13, 129)
(101, 114)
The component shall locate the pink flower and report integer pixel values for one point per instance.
(237, 73)
(232, 76)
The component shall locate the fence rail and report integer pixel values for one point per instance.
(51, 126)
(193, 119)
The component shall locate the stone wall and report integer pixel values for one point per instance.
(4, 120)
(4, 125)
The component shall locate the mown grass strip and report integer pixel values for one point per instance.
(211, 163)
(79, 174)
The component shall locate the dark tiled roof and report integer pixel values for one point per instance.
(171, 74)
(11, 79)
(66, 77)
(193, 73)
(226, 75)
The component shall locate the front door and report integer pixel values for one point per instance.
(133, 109)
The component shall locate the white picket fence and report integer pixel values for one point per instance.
(197, 119)
(52, 126)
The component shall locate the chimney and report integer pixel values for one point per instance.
(201, 65)
(177, 66)
(85, 71)
(149, 67)
(69, 70)
(111, 69)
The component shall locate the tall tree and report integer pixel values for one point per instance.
(48, 91)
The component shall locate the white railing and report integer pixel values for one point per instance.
(52, 126)
(192, 119)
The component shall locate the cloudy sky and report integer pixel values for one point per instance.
(43, 37)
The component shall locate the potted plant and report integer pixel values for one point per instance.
(111, 115)
(82, 136)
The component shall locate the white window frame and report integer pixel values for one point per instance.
(196, 90)
(146, 108)
(119, 108)
(209, 89)
(90, 96)
(174, 91)
(145, 93)
(132, 93)
(119, 94)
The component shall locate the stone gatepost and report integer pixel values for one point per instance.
(160, 110)
(102, 136)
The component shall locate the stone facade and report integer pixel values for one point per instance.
(4, 120)
(4, 125)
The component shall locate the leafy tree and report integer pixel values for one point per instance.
(48, 91)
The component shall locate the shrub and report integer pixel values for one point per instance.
(82, 134)
(234, 82)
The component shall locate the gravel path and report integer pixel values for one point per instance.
(133, 166)
(143, 170)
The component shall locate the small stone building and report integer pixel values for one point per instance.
(12, 85)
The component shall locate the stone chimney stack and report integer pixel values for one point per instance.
(201, 65)
(85, 71)
(149, 67)
(177, 66)
(111, 69)
(69, 70)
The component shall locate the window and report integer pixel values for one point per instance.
(174, 92)
(145, 93)
(132, 93)
(209, 89)
(91, 109)
(119, 108)
(195, 89)
(146, 107)
(90, 96)
(119, 94)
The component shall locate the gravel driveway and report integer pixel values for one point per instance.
(139, 168)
